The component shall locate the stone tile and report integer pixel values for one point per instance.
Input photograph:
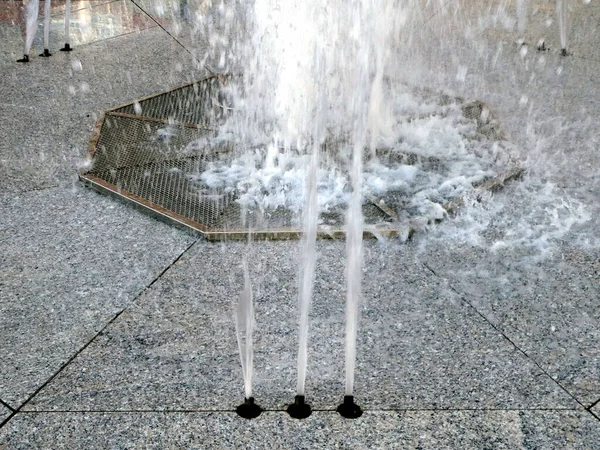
(596, 408)
(4, 412)
(69, 261)
(410, 430)
(419, 345)
(502, 429)
(12, 43)
(549, 308)
(51, 105)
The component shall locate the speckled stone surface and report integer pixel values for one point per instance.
(596, 408)
(50, 105)
(378, 430)
(69, 261)
(4, 412)
(550, 310)
(419, 345)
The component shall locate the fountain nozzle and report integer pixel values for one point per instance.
(24, 59)
(299, 409)
(349, 409)
(66, 48)
(249, 409)
(46, 53)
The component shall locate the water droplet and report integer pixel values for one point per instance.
(523, 100)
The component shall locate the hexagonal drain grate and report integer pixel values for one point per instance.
(147, 153)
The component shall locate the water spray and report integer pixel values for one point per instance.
(561, 11)
(46, 53)
(67, 47)
(244, 324)
(300, 409)
(30, 28)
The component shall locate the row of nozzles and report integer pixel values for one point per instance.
(31, 28)
(300, 409)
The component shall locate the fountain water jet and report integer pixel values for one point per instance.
(31, 28)
(354, 239)
(46, 53)
(244, 324)
(522, 8)
(299, 409)
(561, 11)
(67, 47)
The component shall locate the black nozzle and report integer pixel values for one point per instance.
(46, 53)
(249, 409)
(24, 59)
(349, 409)
(66, 48)
(299, 409)
(563, 52)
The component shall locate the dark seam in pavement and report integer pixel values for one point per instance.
(167, 31)
(3, 403)
(498, 330)
(593, 404)
(193, 411)
(62, 367)
(435, 13)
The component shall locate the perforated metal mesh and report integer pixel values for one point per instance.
(147, 153)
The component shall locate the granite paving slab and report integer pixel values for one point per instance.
(4, 412)
(51, 105)
(69, 261)
(596, 408)
(10, 33)
(550, 309)
(419, 345)
(377, 430)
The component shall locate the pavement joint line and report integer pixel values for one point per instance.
(3, 403)
(167, 31)
(100, 332)
(194, 411)
(503, 334)
(594, 404)
(441, 8)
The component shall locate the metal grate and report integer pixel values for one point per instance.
(144, 153)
